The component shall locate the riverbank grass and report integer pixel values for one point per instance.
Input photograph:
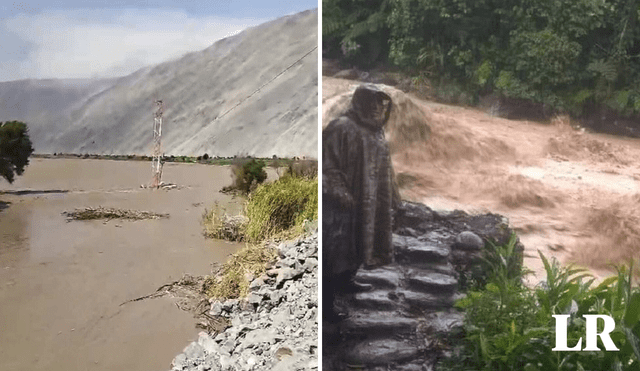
(279, 210)
(233, 279)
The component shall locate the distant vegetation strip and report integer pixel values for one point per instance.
(204, 159)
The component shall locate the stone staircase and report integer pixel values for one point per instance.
(398, 320)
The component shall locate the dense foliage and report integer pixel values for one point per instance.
(509, 326)
(15, 149)
(567, 55)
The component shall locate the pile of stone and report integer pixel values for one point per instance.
(403, 317)
(274, 328)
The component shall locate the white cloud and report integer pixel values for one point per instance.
(105, 43)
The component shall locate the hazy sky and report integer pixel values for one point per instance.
(105, 38)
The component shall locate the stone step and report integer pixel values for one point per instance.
(426, 301)
(377, 300)
(384, 277)
(443, 268)
(379, 323)
(382, 352)
(432, 282)
(413, 251)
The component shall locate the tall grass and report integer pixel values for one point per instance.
(281, 207)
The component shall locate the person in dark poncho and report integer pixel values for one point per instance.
(359, 194)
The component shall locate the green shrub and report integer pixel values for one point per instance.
(247, 174)
(509, 326)
(281, 206)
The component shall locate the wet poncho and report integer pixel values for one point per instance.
(358, 188)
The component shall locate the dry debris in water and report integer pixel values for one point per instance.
(191, 292)
(91, 213)
(218, 224)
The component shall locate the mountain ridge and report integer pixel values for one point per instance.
(201, 91)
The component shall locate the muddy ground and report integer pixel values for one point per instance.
(62, 283)
(569, 193)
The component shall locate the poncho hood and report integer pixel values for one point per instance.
(370, 106)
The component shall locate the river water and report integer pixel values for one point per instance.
(62, 283)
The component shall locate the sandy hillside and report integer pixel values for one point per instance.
(569, 193)
(254, 93)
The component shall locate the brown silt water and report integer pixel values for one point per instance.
(62, 283)
(569, 193)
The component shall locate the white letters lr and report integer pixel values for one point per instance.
(591, 332)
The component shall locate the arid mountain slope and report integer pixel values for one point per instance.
(254, 93)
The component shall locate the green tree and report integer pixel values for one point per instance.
(356, 30)
(15, 149)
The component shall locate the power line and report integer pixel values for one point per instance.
(265, 84)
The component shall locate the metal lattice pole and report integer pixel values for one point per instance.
(157, 162)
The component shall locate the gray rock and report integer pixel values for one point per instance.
(256, 284)
(286, 274)
(378, 300)
(413, 251)
(229, 305)
(433, 282)
(220, 337)
(280, 312)
(421, 300)
(385, 277)
(193, 350)
(469, 241)
(225, 362)
(275, 296)
(288, 364)
(228, 347)
(310, 264)
(216, 308)
(256, 337)
(287, 262)
(273, 272)
(180, 361)
(379, 323)
(254, 298)
(208, 344)
(382, 352)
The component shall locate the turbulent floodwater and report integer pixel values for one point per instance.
(62, 283)
(570, 194)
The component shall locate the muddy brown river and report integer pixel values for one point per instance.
(62, 283)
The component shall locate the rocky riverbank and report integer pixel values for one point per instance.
(274, 328)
